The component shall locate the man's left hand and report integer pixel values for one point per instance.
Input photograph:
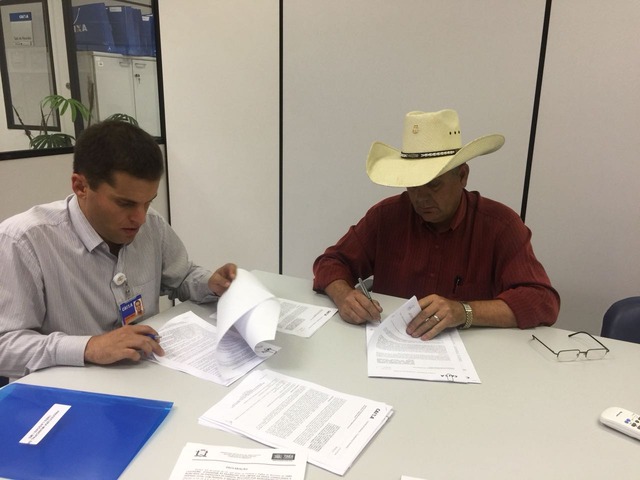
(221, 279)
(437, 314)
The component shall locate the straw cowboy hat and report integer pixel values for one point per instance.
(431, 146)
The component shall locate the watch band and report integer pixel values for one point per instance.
(468, 312)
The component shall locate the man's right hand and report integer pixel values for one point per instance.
(353, 305)
(129, 342)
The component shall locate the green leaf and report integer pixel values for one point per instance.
(53, 140)
(123, 117)
(62, 104)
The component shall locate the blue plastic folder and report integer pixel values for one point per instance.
(97, 437)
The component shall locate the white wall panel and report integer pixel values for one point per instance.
(221, 94)
(26, 182)
(352, 70)
(584, 200)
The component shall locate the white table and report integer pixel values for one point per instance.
(532, 417)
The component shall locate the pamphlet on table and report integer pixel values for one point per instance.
(288, 413)
(393, 353)
(200, 461)
(247, 320)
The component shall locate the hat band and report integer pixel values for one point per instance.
(441, 153)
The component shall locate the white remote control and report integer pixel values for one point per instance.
(622, 420)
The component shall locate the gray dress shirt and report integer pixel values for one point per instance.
(57, 285)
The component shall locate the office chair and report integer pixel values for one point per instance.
(622, 320)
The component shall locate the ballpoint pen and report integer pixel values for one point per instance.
(364, 289)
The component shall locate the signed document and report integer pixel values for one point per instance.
(200, 462)
(247, 320)
(288, 413)
(391, 352)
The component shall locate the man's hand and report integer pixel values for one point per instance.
(129, 342)
(221, 279)
(437, 314)
(353, 305)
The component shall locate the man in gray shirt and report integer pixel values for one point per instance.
(78, 274)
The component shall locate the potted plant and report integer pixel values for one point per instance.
(52, 104)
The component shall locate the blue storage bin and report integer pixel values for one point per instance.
(92, 28)
(126, 23)
(148, 36)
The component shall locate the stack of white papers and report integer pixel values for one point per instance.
(391, 352)
(300, 319)
(223, 354)
(285, 412)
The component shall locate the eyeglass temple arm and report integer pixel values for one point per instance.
(594, 338)
(545, 345)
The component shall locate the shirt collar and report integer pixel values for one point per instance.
(461, 212)
(88, 236)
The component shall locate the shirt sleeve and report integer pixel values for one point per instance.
(23, 349)
(523, 282)
(352, 257)
(181, 278)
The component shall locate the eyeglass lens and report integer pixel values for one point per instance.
(591, 354)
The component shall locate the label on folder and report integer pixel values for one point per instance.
(45, 424)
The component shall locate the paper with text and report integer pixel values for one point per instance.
(285, 412)
(189, 344)
(198, 461)
(247, 319)
(45, 424)
(391, 352)
(300, 319)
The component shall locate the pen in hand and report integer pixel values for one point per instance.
(371, 315)
(364, 289)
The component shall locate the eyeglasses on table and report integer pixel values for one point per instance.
(570, 355)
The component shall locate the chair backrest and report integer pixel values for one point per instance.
(622, 320)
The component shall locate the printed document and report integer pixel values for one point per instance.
(284, 412)
(247, 319)
(301, 319)
(199, 461)
(391, 352)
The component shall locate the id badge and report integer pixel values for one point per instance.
(132, 309)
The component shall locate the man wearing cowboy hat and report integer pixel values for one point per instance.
(468, 259)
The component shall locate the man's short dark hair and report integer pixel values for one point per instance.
(114, 146)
